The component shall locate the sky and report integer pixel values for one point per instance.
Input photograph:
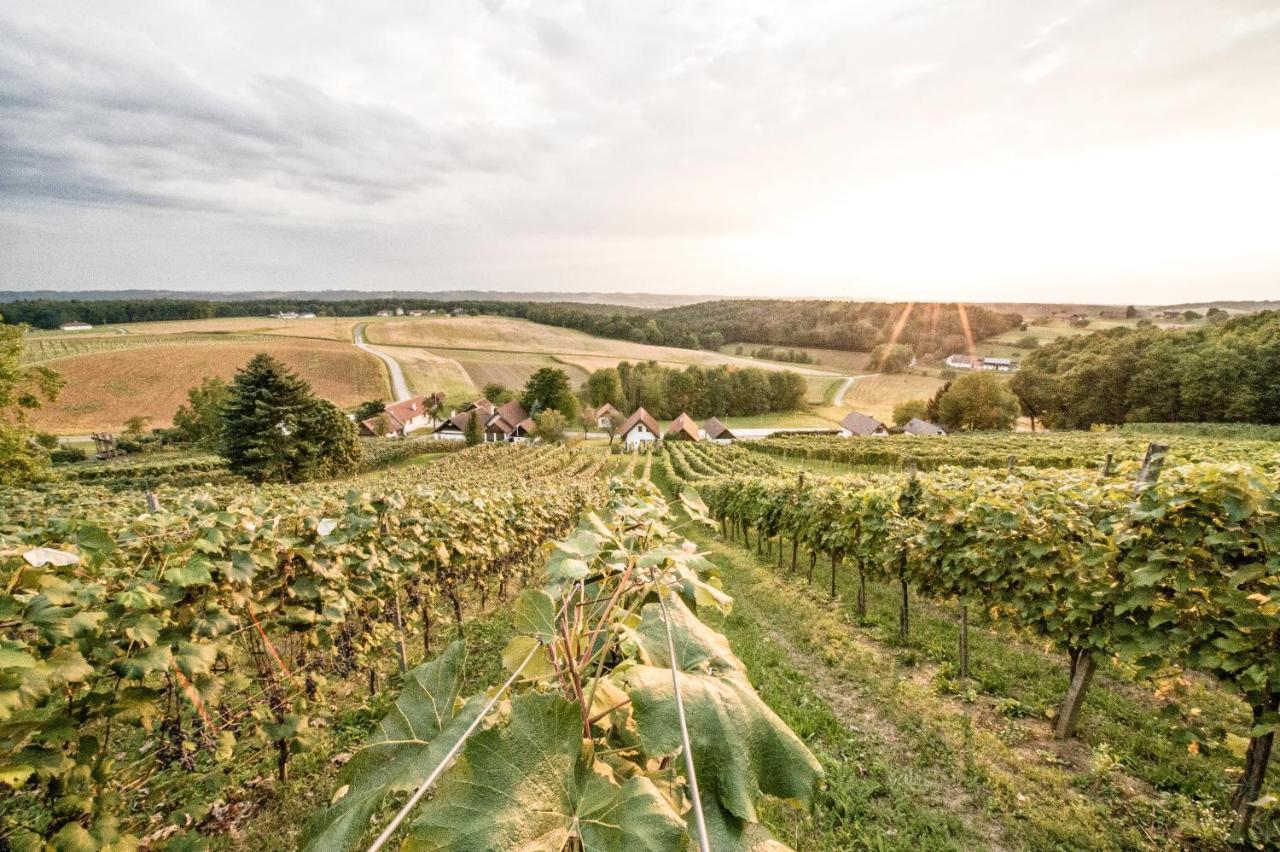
(1021, 150)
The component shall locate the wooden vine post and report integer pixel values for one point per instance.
(904, 611)
(1083, 664)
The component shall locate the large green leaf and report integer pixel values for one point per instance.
(532, 782)
(410, 741)
(697, 645)
(741, 749)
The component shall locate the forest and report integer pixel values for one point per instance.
(1228, 372)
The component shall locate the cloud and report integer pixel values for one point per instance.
(513, 144)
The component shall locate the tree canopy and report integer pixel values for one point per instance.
(276, 430)
(21, 390)
(1223, 372)
(549, 388)
(977, 401)
(704, 392)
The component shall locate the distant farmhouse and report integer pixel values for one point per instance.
(506, 423)
(683, 428)
(600, 416)
(916, 426)
(717, 432)
(75, 326)
(974, 362)
(640, 428)
(401, 418)
(858, 424)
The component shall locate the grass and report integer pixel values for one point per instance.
(426, 372)
(105, 389)
(878, 394)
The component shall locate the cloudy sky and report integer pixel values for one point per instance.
(1115, 150)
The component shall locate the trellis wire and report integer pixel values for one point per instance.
(684, 732)
(435, 773)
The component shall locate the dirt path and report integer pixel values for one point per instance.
(399, 387)
(838, 399)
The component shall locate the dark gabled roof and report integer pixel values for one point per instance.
(640, 416)
(507, 418)
(486, 407)
(683, 427)
(715, 429)
(857, 423)
(458, 422)
(375, 425)
(916, 426)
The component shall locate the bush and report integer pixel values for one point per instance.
(68, 455)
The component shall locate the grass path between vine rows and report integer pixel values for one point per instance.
(915, 762)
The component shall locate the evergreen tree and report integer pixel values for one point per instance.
(475, 430)
(276, 430)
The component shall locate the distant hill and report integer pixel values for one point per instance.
(635, 300)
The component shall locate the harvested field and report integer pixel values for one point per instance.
(105, 389)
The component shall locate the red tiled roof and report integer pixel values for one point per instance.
(683, 427)
(640, 416)
(405, 410)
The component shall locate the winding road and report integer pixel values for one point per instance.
(399, 387)
(838, 399)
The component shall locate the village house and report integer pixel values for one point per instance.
(961, 362)
(384, 313)
(683, 428)
(717, 433)
(640, 428)
(916, 426)
(857, 423)
(401, 418)
(75, 326)
(600, 416)
(508, 422)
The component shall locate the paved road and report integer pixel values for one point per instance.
(399, 386)
(838, 399)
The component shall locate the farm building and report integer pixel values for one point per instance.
(640, 428)
(600, 416)
(384, 313)
(973, 362)
(683, 428)
(857, 423)
(401, 418)
(916, 426)
(717, 432)
(75, 326)
(508, 422)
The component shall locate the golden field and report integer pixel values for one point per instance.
(105, 389)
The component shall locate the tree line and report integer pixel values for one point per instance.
(666, 392)
(1227, 372)
(855, 326)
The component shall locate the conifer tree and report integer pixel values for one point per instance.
(276, 430)
(474, 433)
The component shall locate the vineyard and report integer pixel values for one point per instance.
(1161, 571)
(1050, 450)
(152, 658)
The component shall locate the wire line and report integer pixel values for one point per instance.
(435, 773)
(684, 732)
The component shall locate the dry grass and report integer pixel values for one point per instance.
(831, 360)
(107, 388)
(877, 395)
(506, 336)
(427, 372)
